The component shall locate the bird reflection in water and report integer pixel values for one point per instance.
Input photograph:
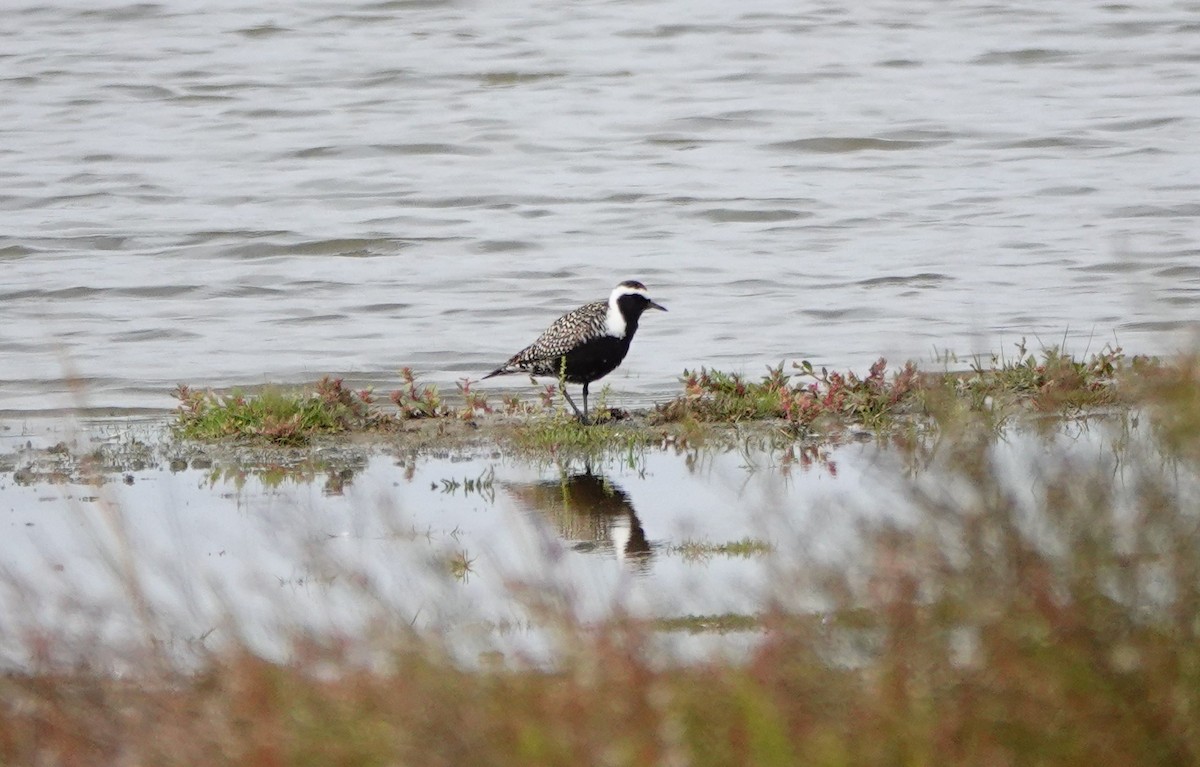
(591, 512)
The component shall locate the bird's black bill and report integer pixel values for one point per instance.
(659, 307)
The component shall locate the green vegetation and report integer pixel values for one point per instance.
(805, 400)
(274, 415)
(459, 565)
(564, 437)
(419, 401)
(1170, 394)
(1055, 382)
(701, 550)
(1048, 620)
(709, 624)
(809, 398)
(1044, 619)
(483, 485)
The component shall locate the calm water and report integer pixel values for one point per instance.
(331, 548)
(275, 191)
(220, 550)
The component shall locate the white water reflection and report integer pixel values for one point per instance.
(474, 546)
(215, 552)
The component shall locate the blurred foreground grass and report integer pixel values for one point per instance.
(1053, 620)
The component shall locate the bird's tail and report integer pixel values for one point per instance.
(508, 368)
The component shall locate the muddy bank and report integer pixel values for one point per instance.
(58, 450)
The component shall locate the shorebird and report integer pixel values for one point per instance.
(585, 344)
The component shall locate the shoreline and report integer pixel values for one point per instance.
(54, 449)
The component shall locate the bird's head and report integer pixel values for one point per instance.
(631, 299)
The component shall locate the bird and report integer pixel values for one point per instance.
(585, 344)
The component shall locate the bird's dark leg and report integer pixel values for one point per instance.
(585, 415)
(581, 416)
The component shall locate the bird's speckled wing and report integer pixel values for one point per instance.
(566, 333)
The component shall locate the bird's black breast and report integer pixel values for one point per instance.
(595, 358)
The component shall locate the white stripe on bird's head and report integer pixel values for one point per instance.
(627, 288)
(614, 321)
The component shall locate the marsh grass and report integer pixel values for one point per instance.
(1170, 395)
(805, 400)
(1040, 620)
(809, 399)
(562, 437)
(1043, 620)
(702, 550)
(278, 474)
(276, 415)
(419, 400)
(1052, 381)
(460, 564)
(709, 624)
(1058, 628)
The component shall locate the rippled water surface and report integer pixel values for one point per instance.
(276, 191)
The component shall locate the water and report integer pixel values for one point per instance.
(276, 191)
(464, 544)
(474, 546)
